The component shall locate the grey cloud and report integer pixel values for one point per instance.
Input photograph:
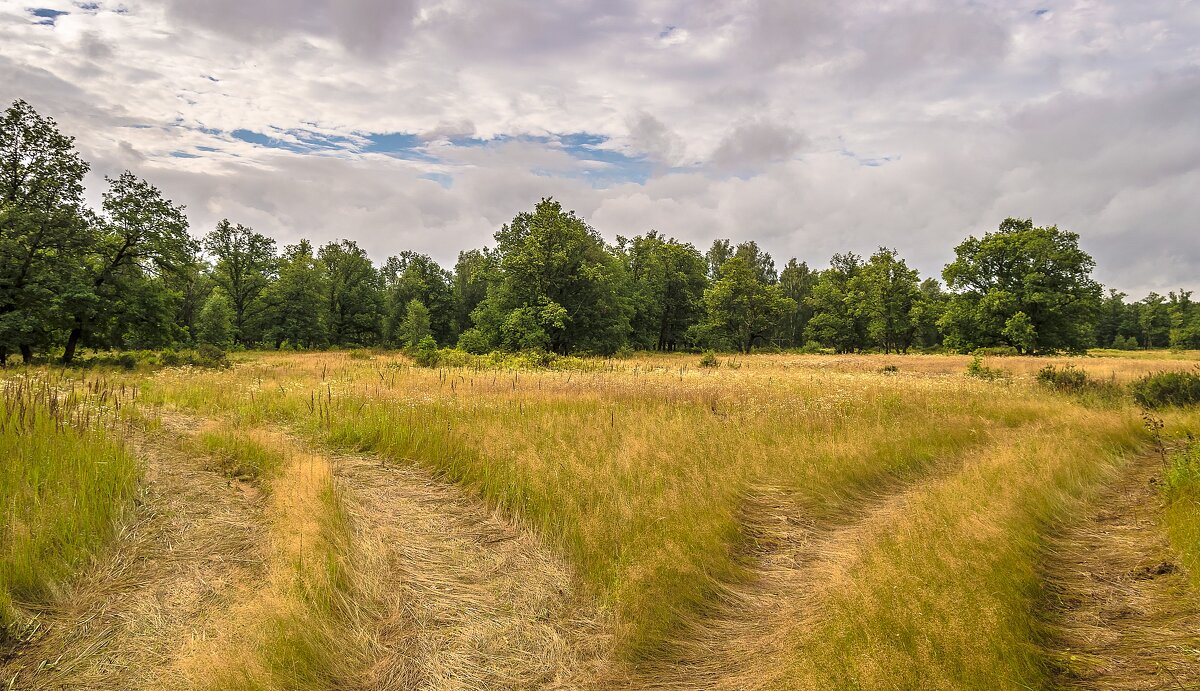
(1084, 117)
(752, 145)
(368, 27)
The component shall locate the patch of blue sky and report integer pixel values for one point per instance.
(46, 16)
(1040, 11)
(183, 154)
(402, 145)
(614, 167)
(296, 141)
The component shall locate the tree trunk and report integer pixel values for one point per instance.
(3, 356)
(72, 344)
(26, 354)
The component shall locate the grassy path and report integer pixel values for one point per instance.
(464, 599)
(323, 572)
(1124, 613)
(743, 640)
(195, 540)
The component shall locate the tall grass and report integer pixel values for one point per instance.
(1182, 489)
(641, 474)
(64, 482)
(941, 590)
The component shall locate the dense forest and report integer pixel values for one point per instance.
(130, 275)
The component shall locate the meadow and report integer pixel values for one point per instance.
(775, 521)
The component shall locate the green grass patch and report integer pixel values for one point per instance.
(1181, 486)
(239, 455)
(64, 484)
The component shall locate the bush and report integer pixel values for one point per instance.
(1125, 343)
(995, 351)
(474, 341)
(426, 353)
(364, 355)
(209, 355)
(1167, 389)
(709, 359)
(889, 369)
(981, 371)
(1069, 378)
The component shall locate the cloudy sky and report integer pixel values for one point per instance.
(812, 127)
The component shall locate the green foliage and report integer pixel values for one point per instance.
(996, 351)
(415, 328)
(979, 370)
(425, 353)
(411, 276)
(140, 237)
(1165, 389)
(354, 295)
(797, 282)
(475, 342)
(885, 296)
(64, 483)
(1072, 380)
(743, 308)
(836, 322)
(295, 301)
(215, 325)
(709, 360)
(1021, 269)
(1125, 343)
(245, 266)
(558, 289)
(668, 281)
(44, 230)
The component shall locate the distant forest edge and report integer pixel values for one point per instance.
(130, 276)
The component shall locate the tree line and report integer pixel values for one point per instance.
(129, 275)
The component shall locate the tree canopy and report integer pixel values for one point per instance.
(130, 275)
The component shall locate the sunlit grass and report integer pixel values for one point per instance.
(64, 483)
(640, 473)
(1181, 486)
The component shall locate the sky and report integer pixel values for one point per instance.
(810, 127)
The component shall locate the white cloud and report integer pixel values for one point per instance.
(813, 127)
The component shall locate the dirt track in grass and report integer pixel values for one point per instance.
(193, 544)
(1123, 612)
(464, 598)
(447, 594)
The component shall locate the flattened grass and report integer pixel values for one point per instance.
(640, 474)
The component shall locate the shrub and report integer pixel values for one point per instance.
(981, 371)
(127, 361)
(888, 369)
(1125, 343)
(1167, 389)
(709, 359)
(1069, 378)
(995, 351)
(364, 355)
(474, 341)
(209, 355)
(426, 353)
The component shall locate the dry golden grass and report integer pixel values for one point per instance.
(781, 521)
(1124, 615)
(193, 544)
